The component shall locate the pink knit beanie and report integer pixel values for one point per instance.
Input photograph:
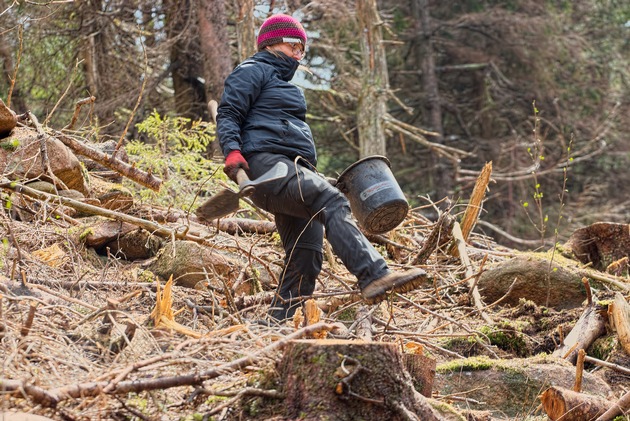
(280, 28)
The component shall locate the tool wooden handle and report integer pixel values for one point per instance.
(242, 179)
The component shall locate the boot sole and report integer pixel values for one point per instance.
(409, 285)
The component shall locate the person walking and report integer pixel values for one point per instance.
(261, 120)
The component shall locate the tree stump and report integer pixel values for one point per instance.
(600, 244)
(349, 380)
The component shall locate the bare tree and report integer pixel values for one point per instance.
(245, 29)
(425, 54)
(372, 105)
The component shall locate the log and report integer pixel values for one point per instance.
(620, 316)
(559, 403)
(590, 326)
(130, 171)
(349, 380)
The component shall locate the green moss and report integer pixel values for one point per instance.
(602, 347)
(85, 233)
(318, 359)
(347, 315)
(469, 364)
(10, 144)
(507, 337)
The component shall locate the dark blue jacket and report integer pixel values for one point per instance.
(261, 111)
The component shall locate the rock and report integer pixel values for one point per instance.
(186, 261)
(552, 284)
(8, 119)
(23, 160)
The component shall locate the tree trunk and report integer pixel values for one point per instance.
(17, 102)
(186, 59)
(215, 46)
(444, 171)
(246, 29)
(215, 50)
(349, 380)
(375, 81)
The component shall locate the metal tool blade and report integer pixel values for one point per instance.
(227, 201)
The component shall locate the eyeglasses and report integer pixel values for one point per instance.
(297, 49)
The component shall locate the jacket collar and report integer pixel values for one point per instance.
(284, 64)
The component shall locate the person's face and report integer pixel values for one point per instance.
(292, 49)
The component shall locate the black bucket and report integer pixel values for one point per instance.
(376, 199)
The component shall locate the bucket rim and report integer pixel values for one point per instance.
(360, 161)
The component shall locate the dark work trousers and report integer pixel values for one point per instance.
(304, 204)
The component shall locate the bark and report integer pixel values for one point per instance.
(422, 371)
(372, 105)
(245, 29)
(215, 45)
(620, 315)
(590, 326)
(567, 405)
(349, 380)
(601, 244)
(89, 33)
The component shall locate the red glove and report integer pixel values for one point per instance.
(233, 162)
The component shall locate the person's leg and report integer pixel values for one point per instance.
(306, 194)
(309, 195)
(302, 240)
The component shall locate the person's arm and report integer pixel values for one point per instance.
(241, 89)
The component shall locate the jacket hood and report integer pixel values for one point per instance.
(284, 64)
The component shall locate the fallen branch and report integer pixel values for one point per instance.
(93, 210)
(590, 326)
(616, 408)
(146, 179)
